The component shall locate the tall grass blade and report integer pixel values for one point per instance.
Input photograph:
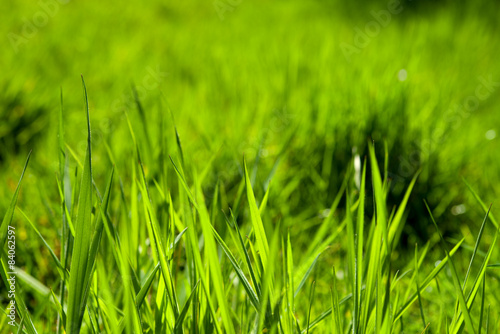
(179, 321)
(484, 206)
(456, 280)
(7, 218)
(418, 289)
(483, 295)
(358, 270)
(337, 325)
(260, 233)
(311, 300)
(80, 257)
(404, 308)
(147, 285)
(250, 268)
(306, 275)
(476, 246)
(248, 288)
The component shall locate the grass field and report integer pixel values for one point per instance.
(250, 167)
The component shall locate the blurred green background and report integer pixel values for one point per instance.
(297, 87)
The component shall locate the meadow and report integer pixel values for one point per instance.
(249, 167)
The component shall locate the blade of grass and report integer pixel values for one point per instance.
(306, 275)
(260, 233)
(311, 300)
(59, 266)
(427, 281)
(456, 280)
(65, 194)
(264, 319)
(246, 285)
(351, 259)
(248, 262)
(326, 225)
(68, 220)
(476, 246)
(213, 260)
(147, 285)
(477, 283)
(5, 272)
(210, 253)
(484, 206)
(337, 325)
(184, 311)
(396, 223)
(358, 273)
(379, 197)
(59, 307)
(79, 259)
(482, 306)
(31, 283)
(290, 285)
(418, 289)
(7, 218)
(488, 320)
(158, 243)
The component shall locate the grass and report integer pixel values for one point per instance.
(240, 175)
(187, 267)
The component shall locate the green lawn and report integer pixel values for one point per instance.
(242, 167)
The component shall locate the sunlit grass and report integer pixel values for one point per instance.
(159, 250)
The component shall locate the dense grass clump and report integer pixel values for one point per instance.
(158, 247)
(249, 167)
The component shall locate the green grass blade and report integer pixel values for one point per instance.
(358, 270)
(142, 115)
(289, 283)
(482, 306)
(351, 259)
(418, 289)
(250, 268)
(488, 320)
(59, 307)
(456, 280)
(311, 300)
(484, 206)
(31, 283)
(427, 281)
(248, 288)
(213, 262)
(65, 195)
(211, 255)
(306, 275)
(397, 221)
(267, 286)
(67, 216)
(59, 266)
(7, 218)
(179, 321)
(180, 174)
(147, 285)
(260, 233)
(337, 325)
(476, 246)
(159, 247)
(372, 270)
(328, 312)
(80, 256)
(96, 239)
(477, 283)
(327, 225)
(196, 255)
(381, 210)
(5, 272)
